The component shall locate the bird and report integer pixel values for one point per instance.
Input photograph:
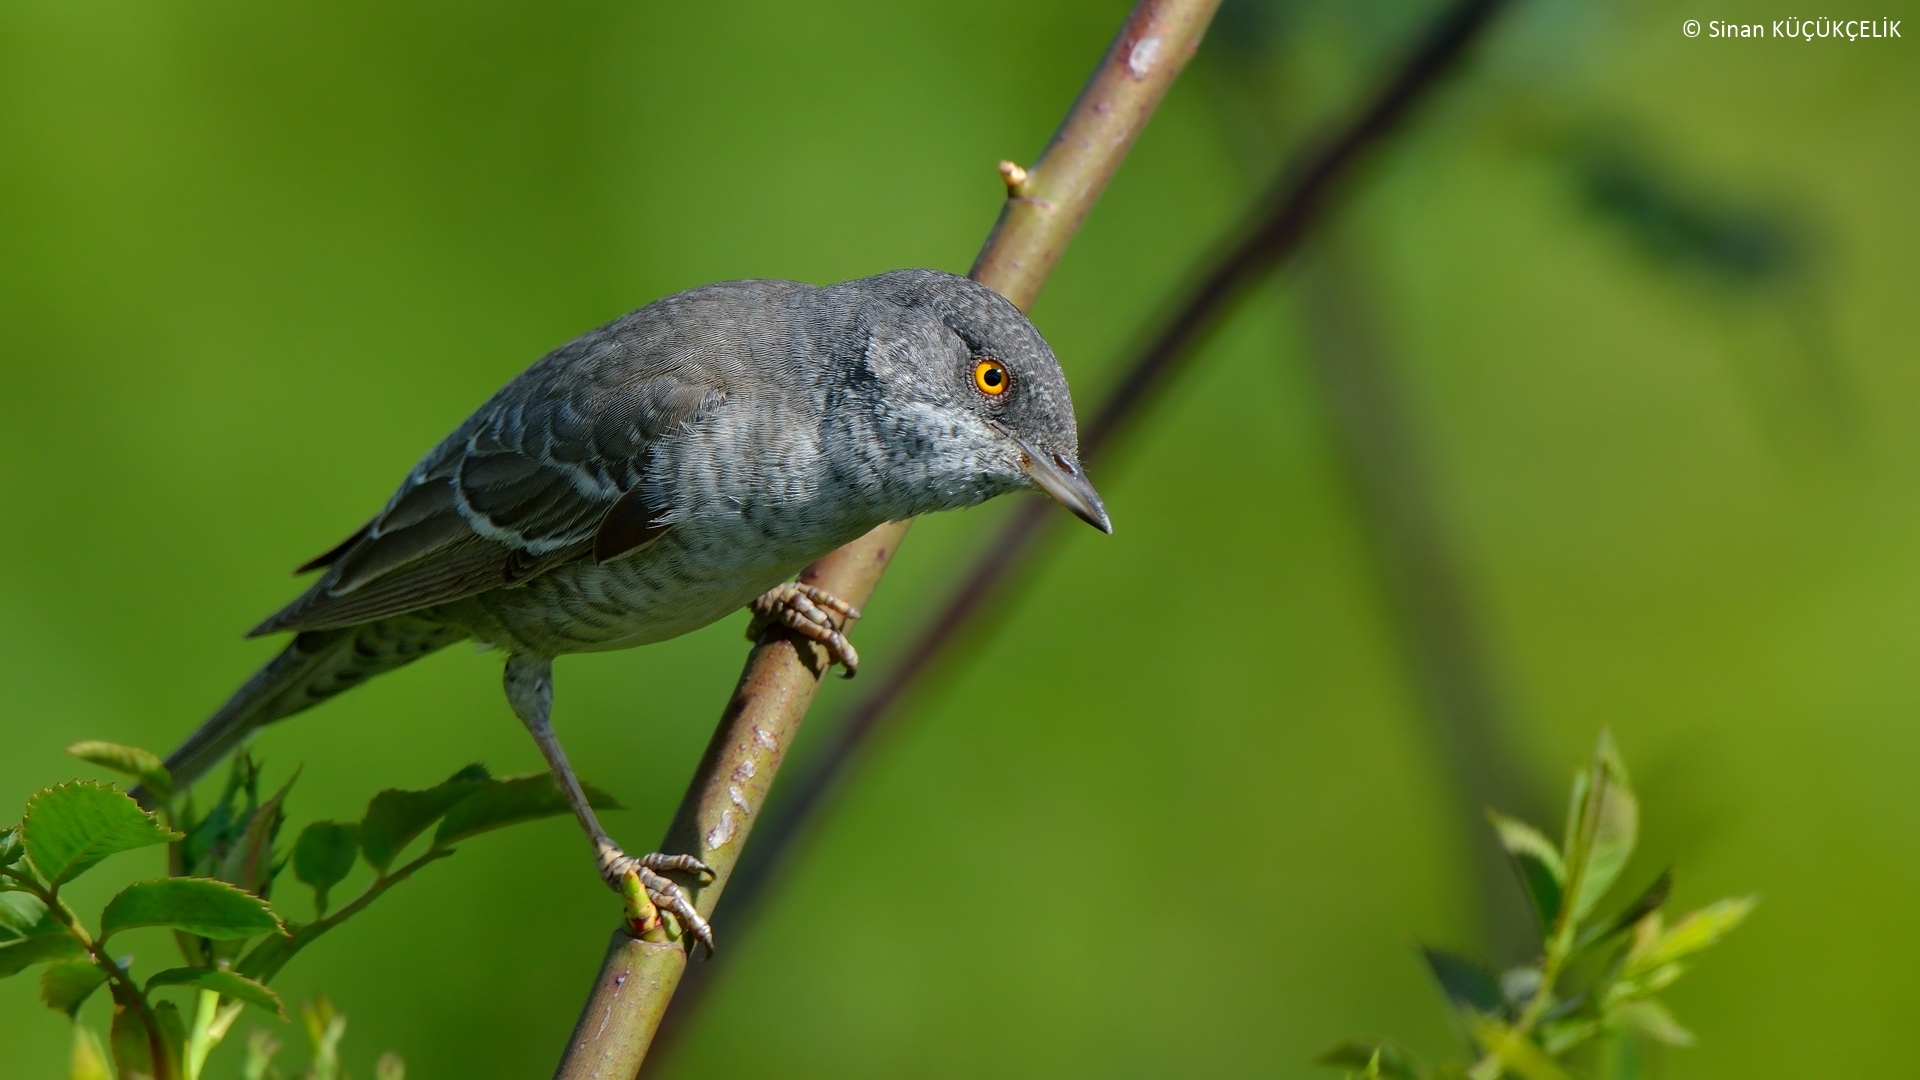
(662, 471)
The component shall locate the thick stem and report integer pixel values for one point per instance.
(125, 989)
(1045, 207)
(201, 1040)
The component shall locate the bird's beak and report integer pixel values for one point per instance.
(1059, 476)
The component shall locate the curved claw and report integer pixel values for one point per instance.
(804, 609)
(671, 898)
(683, 864)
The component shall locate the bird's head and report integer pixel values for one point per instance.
(974, 390)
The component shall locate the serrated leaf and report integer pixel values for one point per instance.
(65, 986)
(1651, 1019)
(89, 1058)
(70, 827)
(18, 956)
(199, 906)
(11, 850)
(510, 801)
(395, 817)
(142, 765)
(1391, 1060)
(1467, 983)
(323, 856)
(1537, 862)
(1603, 828)
(1696, 930)
(224, 982)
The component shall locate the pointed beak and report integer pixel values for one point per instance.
(1059, 476)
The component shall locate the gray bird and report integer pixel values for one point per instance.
(651, 476)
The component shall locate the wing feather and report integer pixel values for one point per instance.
(528, 481)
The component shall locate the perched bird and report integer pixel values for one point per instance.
(648, 477)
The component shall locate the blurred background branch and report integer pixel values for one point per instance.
(1423, 580)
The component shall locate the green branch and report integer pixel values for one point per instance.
(1044, 208)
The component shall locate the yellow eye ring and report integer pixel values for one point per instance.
(991, 377)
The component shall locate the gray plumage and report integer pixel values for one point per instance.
(655, 474)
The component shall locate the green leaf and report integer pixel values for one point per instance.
(1559, 1036)
(1391, 1060)
(323, 856)
(132, 1052)
(67, 985)
(1649, 901)
(132, 761)
(1537, 862)
(11, 850)
(18, 956)
(23, 915)
(70, 827)
(1515, 1051)
(249, 862)
(89, 1060)
(1651, 1019)
(224, 982)
(1467, 983)
(395, 817)
(174, 1030)
(510, 801)
(1603, 826)
(1654, 947)
(200, 906)
(132, 1048)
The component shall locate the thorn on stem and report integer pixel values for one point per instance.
(1015, 177)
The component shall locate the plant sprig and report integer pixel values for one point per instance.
(1596, 981)
(216, 898)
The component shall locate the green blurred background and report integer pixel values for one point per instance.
(1640, 298)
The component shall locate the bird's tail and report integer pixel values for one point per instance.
(315, 666)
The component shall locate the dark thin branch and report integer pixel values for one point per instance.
(1423, 580)
(1273, 233)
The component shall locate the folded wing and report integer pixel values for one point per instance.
(527, 482)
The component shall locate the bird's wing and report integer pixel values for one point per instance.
(526, 483)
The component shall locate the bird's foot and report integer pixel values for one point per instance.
(660, 892)
(809, 612)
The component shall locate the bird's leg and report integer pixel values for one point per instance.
(529, 683)
(809, 612)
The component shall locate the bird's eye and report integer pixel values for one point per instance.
(991, 377)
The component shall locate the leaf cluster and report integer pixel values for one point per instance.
(223, 864)
(1598, 975)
